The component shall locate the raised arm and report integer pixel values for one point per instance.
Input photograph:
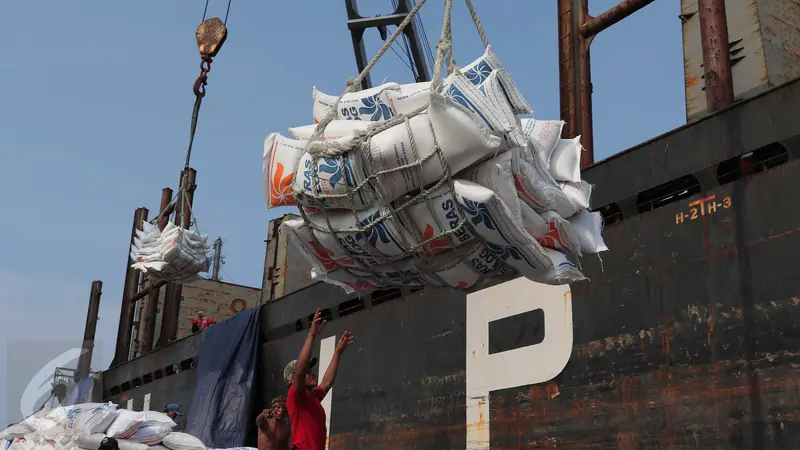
(317, 325)
(333, 367)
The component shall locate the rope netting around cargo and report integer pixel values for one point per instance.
(371, 186)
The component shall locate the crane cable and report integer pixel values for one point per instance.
(210, 35)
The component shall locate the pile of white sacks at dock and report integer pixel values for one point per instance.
(84, 426)
(516, 201)
(174, 254)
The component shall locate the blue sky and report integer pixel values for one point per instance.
(96, 106)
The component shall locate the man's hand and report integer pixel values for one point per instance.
(317, 324)
(346, 339)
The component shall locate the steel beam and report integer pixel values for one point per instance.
(85, 360)
(172, 293)
(611, 16)
(576, 29)
(150, 310)
(128, 301)
(716, 54)
(357, 24)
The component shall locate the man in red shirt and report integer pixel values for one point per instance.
(201, 322)
(304, 401)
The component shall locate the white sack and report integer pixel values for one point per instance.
(345, 280)
(384, 238)
(560, 235)
(588, 228)
(182, 441)
(367, 105)
(410, 97)
(92, 442)
(462, 138)
(128, 422)
(563, 271)
(337, 130)
(23, 444)
(496, 174)
(177, 254)
(491, 219)
(577, 193)
(565, 162)
(278, 165)
(461, 270)
(542, 137)
(81, 418)
(477, 71)
(486, 104)
(151, 434)
(536, 187)
(15, 431)
(532, 222)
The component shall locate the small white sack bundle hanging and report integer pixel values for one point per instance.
(438, 183)
(174, 254)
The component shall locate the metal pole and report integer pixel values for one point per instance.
(150, 310)
(85, 360)
(574, 75)
(716, 54)
(357, 24)
(217, 259)
(129, 291)
(413, 41)
(611, 16)
(172, 293)
(360, 50)
(576, 29)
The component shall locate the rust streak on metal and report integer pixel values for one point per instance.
(735, 249)
(716, 54)
(440, 335)
(611, 16)
(673, 397)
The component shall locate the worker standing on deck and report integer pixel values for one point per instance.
(273, 430)
(201, 322)
(304, 401)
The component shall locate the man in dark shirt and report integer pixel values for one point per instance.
(304, 402)
(273, 429)
(174, 412)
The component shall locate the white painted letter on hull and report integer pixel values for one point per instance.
(518, 367)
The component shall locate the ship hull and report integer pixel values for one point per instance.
(684, 337)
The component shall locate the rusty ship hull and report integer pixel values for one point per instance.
(685, 337)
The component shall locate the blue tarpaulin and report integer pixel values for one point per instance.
(221, 413)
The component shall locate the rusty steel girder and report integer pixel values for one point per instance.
(576, 29)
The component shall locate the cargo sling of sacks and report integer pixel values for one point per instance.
(447, 186)
(175, 252)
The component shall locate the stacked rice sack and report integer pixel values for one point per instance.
(59, 428)
(174, 254)
(466, 191)
(83, 427)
